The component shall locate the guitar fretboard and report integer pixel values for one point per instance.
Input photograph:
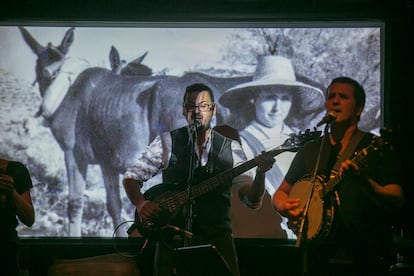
(358, 159)
(210, 184)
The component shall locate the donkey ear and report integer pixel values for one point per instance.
(33, 44)
(139, 59)
(136, 68)
(67, 41)
(114, 59)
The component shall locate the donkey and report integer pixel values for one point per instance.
(132, 68)
(107, 118)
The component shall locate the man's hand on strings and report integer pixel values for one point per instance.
(349, 167)
(292, 208)
(264, 162)
(148, 210)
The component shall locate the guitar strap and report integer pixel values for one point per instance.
(350, 149)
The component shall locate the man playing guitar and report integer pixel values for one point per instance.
(352, 201)
(206, 219)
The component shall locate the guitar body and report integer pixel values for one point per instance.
(321, 211)
(160, 194)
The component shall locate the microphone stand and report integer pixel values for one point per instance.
(302, 234)
(190, 179)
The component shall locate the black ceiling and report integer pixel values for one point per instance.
(196, 10)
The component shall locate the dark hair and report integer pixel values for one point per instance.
(197, 88)
(359, 92)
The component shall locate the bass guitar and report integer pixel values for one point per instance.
(324, 200)
(171, 199)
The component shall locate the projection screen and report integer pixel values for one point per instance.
(84, 135)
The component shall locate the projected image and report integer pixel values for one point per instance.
(80, 103)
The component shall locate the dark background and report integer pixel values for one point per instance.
(398, 90)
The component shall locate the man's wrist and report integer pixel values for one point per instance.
(252, 204)
(260, 173)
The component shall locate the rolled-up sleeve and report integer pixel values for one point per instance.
(149, 163)
(239, 157)
(246, 178)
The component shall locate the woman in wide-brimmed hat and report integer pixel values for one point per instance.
(276, 73)
(267, 109)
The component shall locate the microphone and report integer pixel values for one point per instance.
(195, 124)
(327, 119)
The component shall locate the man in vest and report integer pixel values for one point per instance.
(189, 159)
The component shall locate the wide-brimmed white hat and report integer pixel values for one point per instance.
(273, 71)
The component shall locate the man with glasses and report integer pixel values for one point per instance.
(188, 156)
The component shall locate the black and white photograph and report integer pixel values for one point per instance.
(79, 103)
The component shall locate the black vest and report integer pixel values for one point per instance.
(211, 211)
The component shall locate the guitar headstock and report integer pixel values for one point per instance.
(297, 140)
(378, 143)
(383, 140)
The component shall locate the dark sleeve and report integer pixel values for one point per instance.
(21, 176)
(304, 162)
(386, 166)
(297, 167)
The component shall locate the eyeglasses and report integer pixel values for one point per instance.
(204, 107)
